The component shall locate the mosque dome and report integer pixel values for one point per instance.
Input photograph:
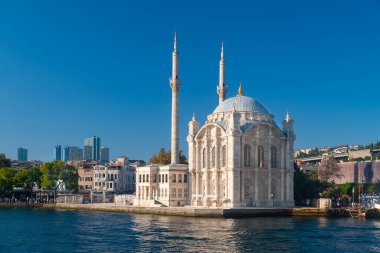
(241, 104)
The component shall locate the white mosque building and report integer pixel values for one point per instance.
(239, 158)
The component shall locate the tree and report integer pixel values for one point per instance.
(164, 158)
(28, 178)
(332, 191)
(4, 162)
(7, 180)
(56, 173)
(306, 184)
(329, 169)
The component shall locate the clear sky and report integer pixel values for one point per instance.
(72, 69)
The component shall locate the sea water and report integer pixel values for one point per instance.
(55, 230)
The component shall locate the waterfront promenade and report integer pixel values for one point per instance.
(187, 211)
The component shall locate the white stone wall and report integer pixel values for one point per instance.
(241, 183)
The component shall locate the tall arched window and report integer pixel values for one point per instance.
(224, 156)
(213, 157)
(273, 153)
(204, 158)
(247, 155)
(260, 157)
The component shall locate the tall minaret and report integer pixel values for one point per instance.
(222, 88)
(175, 84)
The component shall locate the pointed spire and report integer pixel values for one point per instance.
(240, 91)
(222, 53)
(193, 117)
(222, 88)
(175, 41)
(287, 118)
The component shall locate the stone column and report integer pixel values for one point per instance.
(282, 185)
(256, 184)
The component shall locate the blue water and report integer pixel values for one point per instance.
(46, 230)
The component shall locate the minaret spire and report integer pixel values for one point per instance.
(175, 42)
(222, 88)
(175, 84)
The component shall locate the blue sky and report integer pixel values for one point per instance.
(72, 69)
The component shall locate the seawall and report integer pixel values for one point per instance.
(184, 211)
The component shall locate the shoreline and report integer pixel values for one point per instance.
(185, 211)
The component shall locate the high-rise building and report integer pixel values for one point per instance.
(22, 154)
(94, 143)
(75, 154)
(58, 153)
(87, 153)
(66, 153)
(104, 154)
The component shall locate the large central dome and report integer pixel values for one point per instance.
(241, 104)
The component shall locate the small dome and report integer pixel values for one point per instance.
(241, 104)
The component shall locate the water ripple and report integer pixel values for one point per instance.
(40, 230)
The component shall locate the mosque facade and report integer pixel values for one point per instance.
(239, 158)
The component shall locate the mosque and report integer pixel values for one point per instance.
(239, 158)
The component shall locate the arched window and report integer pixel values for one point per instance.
(260, 157)
(273, 153)
(247, 155)
(204, 158)
(213, 157)
(224, 156)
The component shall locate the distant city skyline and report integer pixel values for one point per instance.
(106, 70)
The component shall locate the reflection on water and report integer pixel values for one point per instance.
(38, 230)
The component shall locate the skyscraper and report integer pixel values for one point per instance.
(94, 143)
(66, 153)
(58, 153)
(104, 154)
(22, 154)
(75, 154)
(87, 153)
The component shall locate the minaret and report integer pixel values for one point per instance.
(222, 88)
(175, 84)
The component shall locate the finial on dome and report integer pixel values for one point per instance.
(287, 119)
(193, 117)
(240, 91)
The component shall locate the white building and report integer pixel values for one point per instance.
(240, 157)
(114, 178)
(166, 185)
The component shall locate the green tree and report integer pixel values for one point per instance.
(331, 191)
(28, 178)
(57, 173)
(4, 162)
(163, 157)
(306, 184)
(7, 180)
